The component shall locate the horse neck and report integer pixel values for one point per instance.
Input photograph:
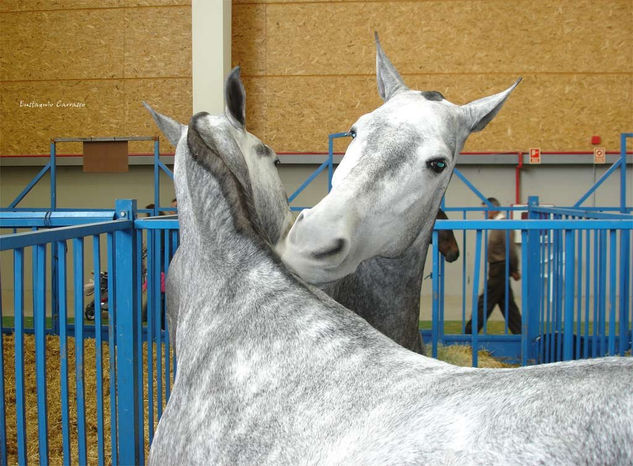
(207, 223)
(386, 292)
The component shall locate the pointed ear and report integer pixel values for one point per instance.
(235, 99)
(479, 112)
(169, 127)
(387, 77)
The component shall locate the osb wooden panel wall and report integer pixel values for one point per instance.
(309, 66)
(80, 68)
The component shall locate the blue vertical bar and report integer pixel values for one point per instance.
(54, 297)
(602, 305)
(139, 341)
(78, 263)
(531, 269)
(540, 309)
(111, 348)
(96, 254)
(596, 294)
(435, 320)
(612, 290)
(330, 158)
(558, 305)
(441, 295)
(485, 280)
(623, 137)
(579, 258)
(127, 349)
(568, 321)
(158, 311)
(588, 267)
(168, 255)
(475, 316)
(151, 304)
(524, 299)
(39, 323)
(63, 348)
(3, 429)
(550, 298)
(53, 163)
(506, 285)
(174, 359)
(624, 288)
(156, 177)
(18, 313)
(464, 276)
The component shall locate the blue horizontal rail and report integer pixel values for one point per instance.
(598, 224)
(581, 213)
(33, 238)
(21, 219)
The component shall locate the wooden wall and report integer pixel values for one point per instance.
(309, 66)
(100, 57)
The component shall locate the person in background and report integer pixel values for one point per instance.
(496, 284)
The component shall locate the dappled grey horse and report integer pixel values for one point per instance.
(272, 372)
(252, 161)
(366, 242)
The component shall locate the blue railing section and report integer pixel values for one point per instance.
(131, 342)
(570, 309)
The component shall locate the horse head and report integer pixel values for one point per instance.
(447, 244)
(251, 161)
(388, 187)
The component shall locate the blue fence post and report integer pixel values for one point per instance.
(53, 164)
(435, 321)
(568, 319)
(156, 178)
(126, 324)
(623, 138)
(532, 276)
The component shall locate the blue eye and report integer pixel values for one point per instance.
(437, 166)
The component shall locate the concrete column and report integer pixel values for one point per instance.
(211, 53)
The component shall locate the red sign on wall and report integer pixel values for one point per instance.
(599, 155)
(535, 155)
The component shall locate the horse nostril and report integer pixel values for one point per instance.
(339, 245)
(452, 256)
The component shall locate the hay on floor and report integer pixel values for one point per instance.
(54, 417)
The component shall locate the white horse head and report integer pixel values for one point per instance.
(388, 187)
(227, 134)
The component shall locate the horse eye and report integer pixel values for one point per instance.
(437, 166)
(352, 133)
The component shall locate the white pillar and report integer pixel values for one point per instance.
(211, 53)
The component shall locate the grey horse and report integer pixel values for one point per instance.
(271, 371)
(365, 243)
(252, 161)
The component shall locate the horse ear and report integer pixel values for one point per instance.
(169, 127)
(235, 98)
(387, 77)
(479, 112)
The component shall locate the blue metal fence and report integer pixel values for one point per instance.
(570, 308)
(138, 386)
(575, 287)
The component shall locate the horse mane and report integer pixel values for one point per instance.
(239, 200)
